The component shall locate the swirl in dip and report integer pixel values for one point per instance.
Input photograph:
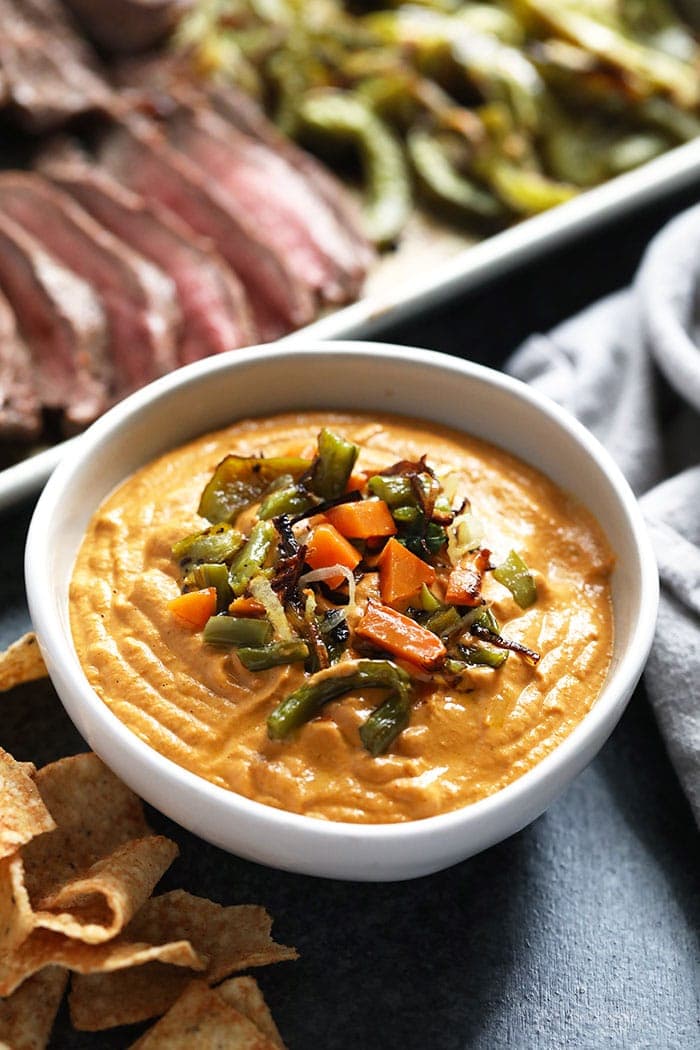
(480, 714)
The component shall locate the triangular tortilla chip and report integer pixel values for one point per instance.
(98, 905)
(16, 916)
(244, 995)
(233, 938)
(22, 662)
(201, 1020)
(94, 812)
(46, 948)
(23, 814)
(27, 1016)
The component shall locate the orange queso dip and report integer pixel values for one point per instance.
(461, 597)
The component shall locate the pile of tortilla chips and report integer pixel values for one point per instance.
(78, 865)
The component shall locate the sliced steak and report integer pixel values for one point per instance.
(290, 216)
(154, 80)
(20, 407)
(139, 299)
(127, 25)
(245, 114)
(61, 319)
(49, 73)
(215, 310)
(138, 157)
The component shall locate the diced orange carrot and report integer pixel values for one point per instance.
(359, 521)
(249, 607)
(401, 636)
(356, 482)
(464, 582)
(401, 573)
(325, 547)
(194, 608)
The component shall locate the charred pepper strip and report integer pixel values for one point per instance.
(444, 184)
(306, 701)
(387, 722)
(288, 499)
(339, 114)
(214, 575)
(273, 655)
(239, 481)
(251, 558)
(333, 465)
(237, 630)
(395, 491)
(482, 656)
(514, 574)
(218, 543)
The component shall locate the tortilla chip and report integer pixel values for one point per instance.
(98, 905)
(16, 916)
(95, 813)
(27, 1017)
(233, 938)
(22, 662)
(23, 814)
(244, 995)
(202, 1020)
(46, 948)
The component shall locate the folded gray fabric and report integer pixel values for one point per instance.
(600, 366)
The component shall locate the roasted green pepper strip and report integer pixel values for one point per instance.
(306, 701)
(482, 656)
(237, 630)
(339, 114)
(428, 602)
(443, 621)
(526, 191)
(215, 575)
(251, 558)
(514, 574)
(483, 617)
(239, 481)
(651, 71)
(287, 499)
(273, 655)
(218, 543)
(386, 723)
(396, 491)
(443, 184)
(406, 515)
(333, 465)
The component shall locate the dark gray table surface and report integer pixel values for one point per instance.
(581, 931)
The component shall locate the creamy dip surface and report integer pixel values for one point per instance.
(197, 705)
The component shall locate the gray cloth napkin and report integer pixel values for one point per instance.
(600, 365)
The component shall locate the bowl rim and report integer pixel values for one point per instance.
(63, 662)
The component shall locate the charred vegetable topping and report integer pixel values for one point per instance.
(284, 589)
(239, 481)
(515, 575)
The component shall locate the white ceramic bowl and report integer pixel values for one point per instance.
(372, 377)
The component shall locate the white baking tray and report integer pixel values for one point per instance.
(435, 265)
